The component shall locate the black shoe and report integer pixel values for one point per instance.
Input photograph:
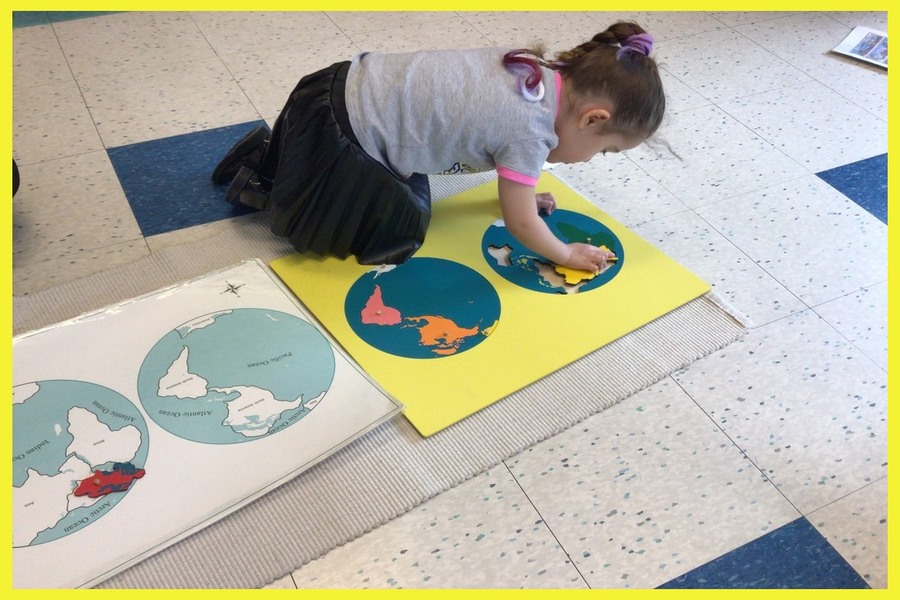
(248, 152)
(246, 188)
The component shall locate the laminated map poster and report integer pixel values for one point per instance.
(136, 426)
(474, 316)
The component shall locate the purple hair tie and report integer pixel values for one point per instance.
(642, 43)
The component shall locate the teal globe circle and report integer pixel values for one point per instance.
(235, 376)
(78, 449)
(517, 264)
(424, 308)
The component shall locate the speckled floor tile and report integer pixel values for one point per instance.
(804, 404)
(382, 22)
(251, 32)
(733, 275)
(800, 121)
(446, 33)
(267, 76)
(862, 318)
(69, 206)
(483, 533)
(735, 18)
(739, 68)
(37, 276)
(856, 526)
(132, 41)
(663, 25)
(37, 57)
(810, 51)
(51, 121)
(874, 19)
(556, 30)
(283, 583)
(647, 490)
(717, 158)
(807, 235)
(864, 87)
(619, 188)
(150, 104)
(679, 96)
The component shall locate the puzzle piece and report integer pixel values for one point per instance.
(574, 276)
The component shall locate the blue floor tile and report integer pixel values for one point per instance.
(795, 556)
(28, 18)
(167, 181)
(864, 182)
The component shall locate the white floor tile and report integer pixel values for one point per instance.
(874, 19)
(37, 57)
(268, 75)
(810, 52)
(804, 404)
(136, 106)
(619, 188)
(447, 33)
(862, 318)
(283, 583)
(36, 276)
(736, 277)
(865, 87)
(717, 158)
(69, 206)
(51, 121)
(383, 22)
(679, 96)
(855, 526)
(807, 235)
(558, 31)
(737, 69)
(230, 33)
(131, 41)
(663, 25)
(812, 124)
(647, 490)
(483, 533)
(737, 18)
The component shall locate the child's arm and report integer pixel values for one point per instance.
(520, 214)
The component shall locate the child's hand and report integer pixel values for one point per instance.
(545, 202)
(587, 257)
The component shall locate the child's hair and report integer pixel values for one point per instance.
(614, 65)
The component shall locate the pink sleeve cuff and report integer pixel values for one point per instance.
(506, 173)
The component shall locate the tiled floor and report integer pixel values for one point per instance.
(763, 465)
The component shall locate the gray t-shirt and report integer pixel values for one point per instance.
(450, 111)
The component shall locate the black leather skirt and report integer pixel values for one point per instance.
(328, 196)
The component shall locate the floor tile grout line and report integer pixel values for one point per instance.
(547, 525)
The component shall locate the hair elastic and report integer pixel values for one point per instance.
(642, 43)
(528, 72)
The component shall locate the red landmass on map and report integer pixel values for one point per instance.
(439, 334)
(102, 483)
(376, 313)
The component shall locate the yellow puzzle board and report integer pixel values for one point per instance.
(536, 334)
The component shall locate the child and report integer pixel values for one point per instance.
(344, 169)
